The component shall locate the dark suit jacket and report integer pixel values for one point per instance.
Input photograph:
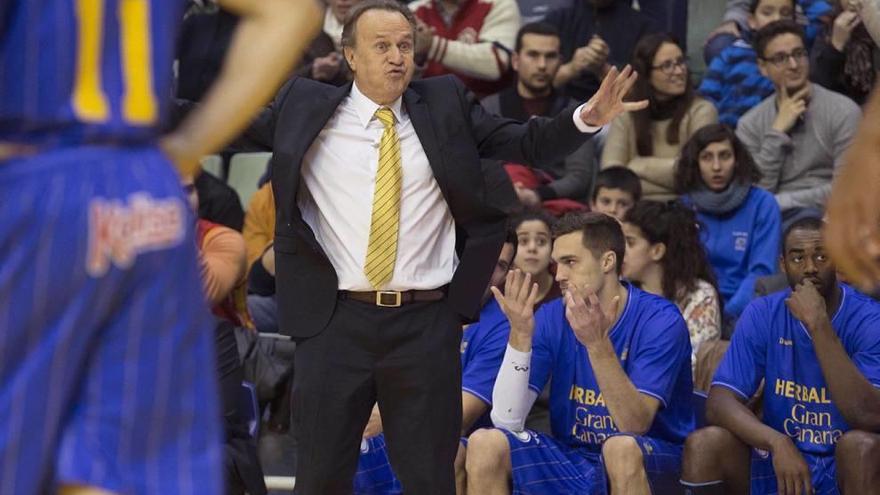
(455, 133)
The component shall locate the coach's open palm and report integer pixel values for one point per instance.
(589, 321)
(608, 102)
(518, 302)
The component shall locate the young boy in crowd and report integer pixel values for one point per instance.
(733, 82)
(617, 190)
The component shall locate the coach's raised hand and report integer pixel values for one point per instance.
(608, 102)
(518, 304)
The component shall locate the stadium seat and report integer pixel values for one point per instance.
(245, 170)
(213, 164)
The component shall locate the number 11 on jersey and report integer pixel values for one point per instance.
(90, 102)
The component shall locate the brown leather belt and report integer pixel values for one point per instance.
(393, 298)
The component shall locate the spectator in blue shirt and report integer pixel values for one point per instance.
(733, 82)
(741, 223)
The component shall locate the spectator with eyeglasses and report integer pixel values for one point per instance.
(648, 141)
(733, 82)
(798, 135)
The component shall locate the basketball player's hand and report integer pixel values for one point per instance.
(589, 321)
(852, 233)
(374, 425)
(608, 102)
(518, 304)
(807, 305)
(792, 473)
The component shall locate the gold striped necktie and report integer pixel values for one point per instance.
(385, 220)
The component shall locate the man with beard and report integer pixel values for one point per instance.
(620, 394)
(817, 349)
(799, 134)
(596, 34)
(536, 62)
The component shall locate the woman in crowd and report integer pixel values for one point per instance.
(664, 256)
(741, 224)
(845, 54)
(533, 251)
(648, 141)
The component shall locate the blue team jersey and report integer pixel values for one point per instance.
(482, 349)
(652, 342)
(771, 344)
(86, 71)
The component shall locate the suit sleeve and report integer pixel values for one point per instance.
(540, 141)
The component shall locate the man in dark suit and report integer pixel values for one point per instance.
(385, 239)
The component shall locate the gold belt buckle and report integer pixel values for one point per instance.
(389, 298)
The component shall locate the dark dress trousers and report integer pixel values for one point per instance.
(351, 354)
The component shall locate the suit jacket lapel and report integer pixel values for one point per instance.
(315, 114)
(421, 121)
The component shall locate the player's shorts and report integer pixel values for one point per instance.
(544, 465)
(107, 366)
(374, 473)
(823, 471)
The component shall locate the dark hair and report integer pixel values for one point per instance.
(349, 32)
(643, 62)
(753, 5)
(541, 28)
(687, 169)
(601, 233)
(528, 215)
(677, 227)
(618, 177)
(776, 28)
(510, 238)
(806, 222)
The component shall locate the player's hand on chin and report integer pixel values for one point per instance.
(518, 302)
(589, 321)
(807, 305)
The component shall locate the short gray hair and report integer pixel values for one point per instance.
(348, 29)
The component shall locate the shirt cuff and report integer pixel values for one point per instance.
(580, 124)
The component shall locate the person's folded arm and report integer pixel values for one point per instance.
(489, 57)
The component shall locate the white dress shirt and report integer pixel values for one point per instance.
(336, 199)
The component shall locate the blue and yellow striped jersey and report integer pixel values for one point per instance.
(85, 71)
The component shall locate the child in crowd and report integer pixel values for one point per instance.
(533, 252)
(741, 223)
(664, 256)
(733, 82)
(617, 190)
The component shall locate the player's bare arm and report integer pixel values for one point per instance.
(729, 411)
(632, 411)
(270, 39)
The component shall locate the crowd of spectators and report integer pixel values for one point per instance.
(718, 189)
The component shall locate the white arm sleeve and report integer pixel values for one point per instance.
(512, 398)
